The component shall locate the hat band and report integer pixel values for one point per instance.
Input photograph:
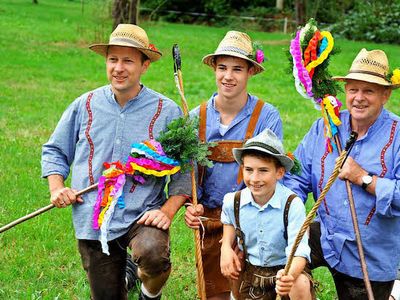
(368, 73)
(233, 49)
(127, 41)
(262, 145)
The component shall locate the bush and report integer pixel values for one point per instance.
(376, 21)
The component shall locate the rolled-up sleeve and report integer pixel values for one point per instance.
(296, 217)
(59, 151)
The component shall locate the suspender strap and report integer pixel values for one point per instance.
(239, 232)
(203, 122)
(254, 119)
(202, 137)
(286, 215)
(250, 130)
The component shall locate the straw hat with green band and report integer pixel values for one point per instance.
(236, 44)
(129, 35)
(370, 66)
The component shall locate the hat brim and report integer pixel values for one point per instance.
(101, 49)
(209, 60)
(286, 162)
(367, 78)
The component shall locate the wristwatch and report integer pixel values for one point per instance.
(366, 180)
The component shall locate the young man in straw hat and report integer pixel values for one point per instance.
(229, 117)
(99, 127)
(264, 219)
(373, 168)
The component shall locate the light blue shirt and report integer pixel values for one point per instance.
(377, 152)
(222, 177)
(97, 131)
(263, 226)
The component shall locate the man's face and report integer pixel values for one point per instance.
(365, 101)
(124, 68)
(231, 75)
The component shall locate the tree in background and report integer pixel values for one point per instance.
(125, 11)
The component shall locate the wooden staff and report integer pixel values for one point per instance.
(42, 210)
(363, 263)
(339, 163)
(201, 286)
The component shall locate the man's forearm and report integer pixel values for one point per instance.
(56, 182)
(172, 205)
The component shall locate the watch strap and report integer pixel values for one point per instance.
(365, 185)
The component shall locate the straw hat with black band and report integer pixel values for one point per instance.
(129, 35)
(369, 66)
(266, 142)
(236, 44)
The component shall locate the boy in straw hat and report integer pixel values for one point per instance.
(230, 116)
(99, 127)
(265, 218)
(373, 169)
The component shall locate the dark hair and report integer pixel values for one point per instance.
(261, 155)
(214, 60)
(143, 57)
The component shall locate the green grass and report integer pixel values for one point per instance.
(44, 65)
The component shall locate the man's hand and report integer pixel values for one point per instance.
(192, 215)
(64, 196)
(284, 283)
(352, 171)
(155, 218)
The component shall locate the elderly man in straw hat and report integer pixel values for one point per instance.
(99, 127)
(373, 169)
(230, 116)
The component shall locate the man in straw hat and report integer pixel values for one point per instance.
(373, 170)
(264, 219)
(229, 117)
(99, 127)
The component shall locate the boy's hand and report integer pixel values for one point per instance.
(230, 263)
(284, 283)
(192, 215)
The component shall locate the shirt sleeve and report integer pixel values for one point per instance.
(59, 151)
(301, 184)
(181, 183)
(227, 213)
(272, 120)
(388, 189)
(296, 217)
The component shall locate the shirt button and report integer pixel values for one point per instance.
(117, 141)
(122, 116)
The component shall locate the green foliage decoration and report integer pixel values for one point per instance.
(180, 141)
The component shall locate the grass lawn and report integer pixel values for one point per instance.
(45, 65)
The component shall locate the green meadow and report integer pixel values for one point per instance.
(45, 64)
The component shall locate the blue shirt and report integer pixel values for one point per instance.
(377, 152)
(263, 226)
(222, 177)
(96, 130)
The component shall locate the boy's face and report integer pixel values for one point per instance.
(260, 176)
(231, 76)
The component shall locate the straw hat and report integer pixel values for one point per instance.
(129, 35)
(370, 66)
(237, 44)
(266, 142)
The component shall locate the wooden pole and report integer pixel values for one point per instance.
(201, 286)
(42, 210)
(360, 249)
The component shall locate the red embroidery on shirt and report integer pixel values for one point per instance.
(90, 141)
(321, 180)
(383, 164)
(155, 117)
